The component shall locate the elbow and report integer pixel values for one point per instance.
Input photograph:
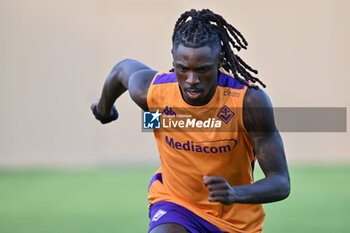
(122, 62)
(119, 68)
(285, 193)
(284, 188)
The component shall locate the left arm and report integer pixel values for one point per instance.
(259, 121)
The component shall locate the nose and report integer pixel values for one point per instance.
(192, 78)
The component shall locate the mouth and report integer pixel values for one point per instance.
(193, 93)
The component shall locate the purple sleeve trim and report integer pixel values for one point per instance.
(165, 78)
(226, 80)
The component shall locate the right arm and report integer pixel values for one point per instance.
(129, 75)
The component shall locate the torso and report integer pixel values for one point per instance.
(189, 154)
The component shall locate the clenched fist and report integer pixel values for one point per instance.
(219, 190)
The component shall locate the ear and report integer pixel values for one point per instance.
(173, 50)
(172, 53)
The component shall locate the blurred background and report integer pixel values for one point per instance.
(55, 56)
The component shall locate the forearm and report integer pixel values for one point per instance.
(114, 86)
(269, 189)
(259, 121)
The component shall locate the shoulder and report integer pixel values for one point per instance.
(162, 83)
(164, 78)
(162, 89)
(256, 98)
(258, 111)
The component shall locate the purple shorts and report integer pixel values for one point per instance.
(168, 212)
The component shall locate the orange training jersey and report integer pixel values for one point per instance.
(197, 146)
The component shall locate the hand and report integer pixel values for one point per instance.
(219, 190)
(102, 118)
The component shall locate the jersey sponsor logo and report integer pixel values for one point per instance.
(158, 215)
(227, 92)
(207, 147)
(225, 114)
(151, 120)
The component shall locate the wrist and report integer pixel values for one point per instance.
(105, 119)
(233, 195)
(102, 111)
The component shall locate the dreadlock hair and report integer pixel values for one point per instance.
(206, 27)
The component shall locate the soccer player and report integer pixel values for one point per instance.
(205, 183)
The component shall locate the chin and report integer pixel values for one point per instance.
(197, 101)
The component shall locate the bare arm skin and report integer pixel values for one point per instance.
(129, 75)
(259, 122)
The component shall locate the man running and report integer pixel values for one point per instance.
(205, 183)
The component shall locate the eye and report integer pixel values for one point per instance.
(203, 69)
(182, 68)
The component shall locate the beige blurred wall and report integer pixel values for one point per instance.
(55, 56)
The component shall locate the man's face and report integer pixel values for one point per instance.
(196, 70)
